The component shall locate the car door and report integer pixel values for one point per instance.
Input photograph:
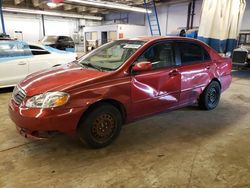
(158, 89)
(13, 62)
(42, 59)
(195, 67)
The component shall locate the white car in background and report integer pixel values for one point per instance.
(19, 59)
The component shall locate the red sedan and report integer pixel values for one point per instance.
(118, 83)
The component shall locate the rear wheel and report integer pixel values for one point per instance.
(101, 126)
(210, 97)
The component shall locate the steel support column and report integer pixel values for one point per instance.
(2, 19)
(192, 15)
(43, 25)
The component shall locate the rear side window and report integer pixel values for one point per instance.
(191, 52)
(35, 50)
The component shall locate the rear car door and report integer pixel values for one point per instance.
(13, 62)
(195, 70)
(42, 59)
(158, 89)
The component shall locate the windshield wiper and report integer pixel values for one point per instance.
(92, 66)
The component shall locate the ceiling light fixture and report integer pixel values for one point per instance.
(50, 13)
(109, 5)
(52, 5)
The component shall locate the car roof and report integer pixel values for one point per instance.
(156, 38)
(2, 38)
(159, 38)
(12, 41)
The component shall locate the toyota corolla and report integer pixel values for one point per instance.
(118, 83)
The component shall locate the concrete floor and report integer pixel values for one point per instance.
(184, 148)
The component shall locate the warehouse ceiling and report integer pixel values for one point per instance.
(69, 7)
(76, 7)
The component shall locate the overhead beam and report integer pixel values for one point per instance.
(50, 13)
(93, 10)
(36, 3)
(17, 2)
(81, 9)
(68, 7)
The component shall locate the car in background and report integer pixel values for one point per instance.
(65, 43)
(19, 59)
(241, 55)
(4, 36)
(117, 83)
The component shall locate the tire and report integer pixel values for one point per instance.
(210, 97)
(100, 126)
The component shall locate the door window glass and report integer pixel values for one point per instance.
(160, 55)
(190, 52)
(35, 50)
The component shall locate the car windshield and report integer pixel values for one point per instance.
(50, 39)
(9, 49)
(112, 55)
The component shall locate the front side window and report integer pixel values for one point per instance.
(112, 55)
(190, 52)
(160, 55)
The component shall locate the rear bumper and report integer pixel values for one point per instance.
(225, 81)
(31, 121)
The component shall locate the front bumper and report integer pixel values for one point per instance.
(30, 121)
(33, 135)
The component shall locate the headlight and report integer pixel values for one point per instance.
(47, 100)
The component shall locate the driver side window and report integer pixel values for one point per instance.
(161, 55)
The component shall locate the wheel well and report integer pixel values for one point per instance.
(113, 102)
(216, 80)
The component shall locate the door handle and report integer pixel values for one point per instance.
(173, 73)
(22, 63)
(207, 67)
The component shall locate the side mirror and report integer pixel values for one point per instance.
(142, 66)
(228, 54)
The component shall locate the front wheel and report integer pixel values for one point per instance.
(101, 126)
(210, 97)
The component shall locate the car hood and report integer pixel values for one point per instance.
(48, 43)
(58, 78)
